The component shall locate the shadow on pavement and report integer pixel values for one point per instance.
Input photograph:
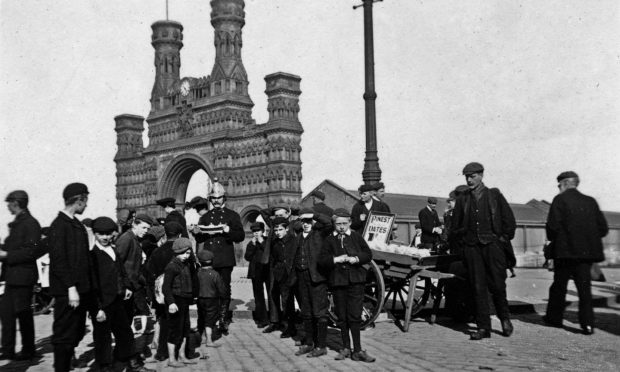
(42, 346)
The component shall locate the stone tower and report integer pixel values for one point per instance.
(206, 123)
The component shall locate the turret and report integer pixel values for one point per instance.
(129, 130)
(167, 39)
(283, 96)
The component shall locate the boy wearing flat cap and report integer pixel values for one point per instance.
(213, 293)
(258, 272)
(71, 281)
(344, 254)
(112, 289)
(178, 294)
(366, 204)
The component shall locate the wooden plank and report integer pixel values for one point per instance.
(435, 274)
(412, 283)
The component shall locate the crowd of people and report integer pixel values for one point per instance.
(125, 273)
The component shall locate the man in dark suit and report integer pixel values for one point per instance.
(71, 281)
(431, 226)
(485, 224)
(575, 226)
(221, 241)
(318, 203)
(366, 204)
(19, 271)
(169, 205)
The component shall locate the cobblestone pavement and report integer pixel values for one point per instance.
(440, 347)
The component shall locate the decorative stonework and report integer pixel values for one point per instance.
(206, 123)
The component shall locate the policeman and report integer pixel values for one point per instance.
(225, 230)
(19, 271)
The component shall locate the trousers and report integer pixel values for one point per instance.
(14, 306)
(579, 271)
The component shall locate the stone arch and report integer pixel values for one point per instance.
(178, 173)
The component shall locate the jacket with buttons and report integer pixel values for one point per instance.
(343, 274)
(222, 244)
(23, 248)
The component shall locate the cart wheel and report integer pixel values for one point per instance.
(373, 298)
(397, 290)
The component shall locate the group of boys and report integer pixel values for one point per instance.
(301, 257)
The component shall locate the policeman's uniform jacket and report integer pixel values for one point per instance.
(343, 274)
(314, 241)
(130, 255)
(70, 260)
(575, 226)
(110, 277)
(22, 246)
(222, 244)
(360, 208)
(429, 220)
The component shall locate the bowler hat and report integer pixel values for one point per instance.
(473, 168)
(205, 256)
(166, 202)
(378, 186)
(318, 194)
(567, 174)
(74, 189)
(257, 226)
(431, 200)
(17, 195)
(181, 245)
(173, 228)
(365, 188)
(104, 225)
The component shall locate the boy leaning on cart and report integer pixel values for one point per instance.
(344, 254)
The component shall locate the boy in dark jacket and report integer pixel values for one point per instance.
(258, 272)
(112, 289)
(344, 253)
(178, 295)
(213, 293)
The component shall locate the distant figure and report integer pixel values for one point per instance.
(431, 226)
(361, 209)
(484, 221)
(575, 226)
(318, 203)
(417, 237)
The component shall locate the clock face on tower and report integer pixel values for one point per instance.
(185, 88)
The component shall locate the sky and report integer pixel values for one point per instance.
(527, 88)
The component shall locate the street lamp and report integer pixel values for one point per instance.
(371, 173)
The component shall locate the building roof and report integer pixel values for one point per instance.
(407, 206)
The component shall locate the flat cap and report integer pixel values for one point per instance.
(473, 168)
(378, 186)
(173, 228)
(205, 256)
(417, 226)
(280, 221)
(318, 194)
(17, 195)
(341, 212)
(88, 222)
(306, 213)
(257, 226)
(567, 174)
(145, 218)
(431, 200)
(365, 188)
(198, 202)
(74, 189)
(166, 202)
(452, 195)
(157, 232)
(104, 225)
(281, 206)
(181, 245)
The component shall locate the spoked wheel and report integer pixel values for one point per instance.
(397, 291)
(374, 295)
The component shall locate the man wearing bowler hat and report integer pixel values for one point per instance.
(19, 272)
(575, 226)
(429, 221)
(485, 224)
(71, 282)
